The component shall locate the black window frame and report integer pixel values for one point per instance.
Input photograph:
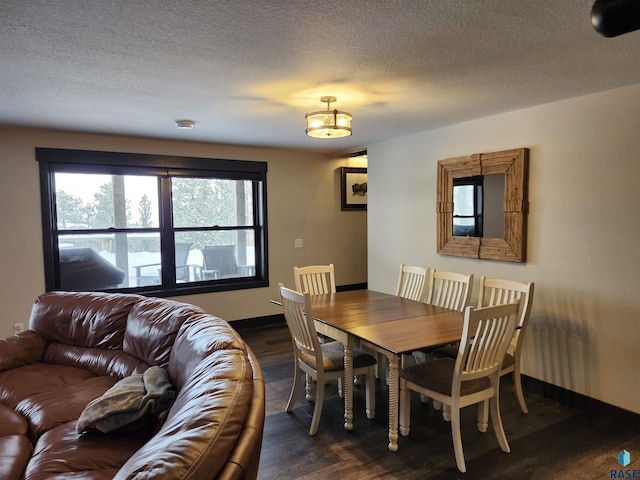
(53, 161)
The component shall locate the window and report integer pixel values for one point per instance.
(152, 224)
(468, 206)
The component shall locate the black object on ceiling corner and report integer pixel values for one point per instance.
(611, 18)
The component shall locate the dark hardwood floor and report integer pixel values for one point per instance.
(553, 441)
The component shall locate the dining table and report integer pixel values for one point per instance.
(385, 323)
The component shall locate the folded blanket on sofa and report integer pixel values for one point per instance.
(130, 399)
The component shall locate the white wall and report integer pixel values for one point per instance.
(303, 202)
(583, 231)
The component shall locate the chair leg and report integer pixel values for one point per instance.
(370, 380)
(340, 388)
(483, 416)
(317, 409)
(407, 360)
(496, 421)
(405, 408)
(446, 412)
(380, 365)
(517, 384)
(457, 437)
(307, 387)
(386, 375)
(294, 389)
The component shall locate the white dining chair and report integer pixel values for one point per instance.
(315, 279)
(412, 282)
(472, 377)
(318, 280)
(320, 362)
(495, 291)
(449, 290)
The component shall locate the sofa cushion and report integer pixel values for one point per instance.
(45, 410)
(15, 448)
(11, 423)
(87, 319)
(22, 349)
(15, 451)
(152, 327)
(97, 360)
(129, 400)
(20, 383)
(63, 454)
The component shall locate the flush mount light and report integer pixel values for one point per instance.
(328, 123)
(185, 124)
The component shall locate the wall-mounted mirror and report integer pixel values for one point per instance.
(482, 205)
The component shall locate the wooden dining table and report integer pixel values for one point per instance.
(388, 324)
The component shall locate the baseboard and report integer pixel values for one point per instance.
(353, 286)
(262, 322)
(593, 407)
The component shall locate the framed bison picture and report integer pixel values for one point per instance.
(354, 188)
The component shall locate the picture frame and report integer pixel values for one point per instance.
(353, 188)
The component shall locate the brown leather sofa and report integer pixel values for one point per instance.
(80, 344)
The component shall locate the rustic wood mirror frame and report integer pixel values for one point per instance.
(514, 165)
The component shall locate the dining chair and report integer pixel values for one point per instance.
(412, 282)
(495, 291)
(315, 279)
(449, 290)
(318, 361)
(471, 378)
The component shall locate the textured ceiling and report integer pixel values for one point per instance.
(247, 71)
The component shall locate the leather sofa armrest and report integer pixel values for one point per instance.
(244, 461)
(22, 349)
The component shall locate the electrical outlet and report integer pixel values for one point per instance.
(18, 328)
(297, 243)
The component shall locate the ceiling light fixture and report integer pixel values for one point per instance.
(328, 123)
(185, 124)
